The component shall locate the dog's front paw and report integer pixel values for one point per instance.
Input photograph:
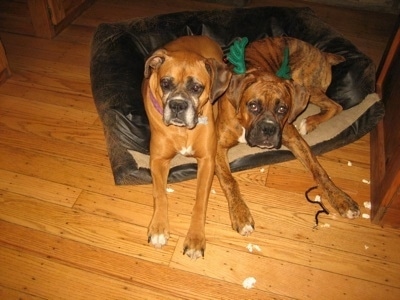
(306, 126)
(349, 209)
(344, 204)
(158, 235)
(241, 218)
(194, 245)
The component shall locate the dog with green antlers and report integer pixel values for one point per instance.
(275, 80)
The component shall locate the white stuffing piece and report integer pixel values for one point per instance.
(325, 225)
(170, 190)
(317, 198)
(365, 216)
(367, 204)
(366, 181)
(249, 282)
(250, 247)
(262, 170)
(366, 247)
(349, 163)
(213, 192)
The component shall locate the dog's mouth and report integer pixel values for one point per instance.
(176, 122)
(180, 113)
(189, 124)
(264, 144)
(181, 123)
(265, 135)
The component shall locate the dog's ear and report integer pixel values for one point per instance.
(300, 98)
(220, 77)
(333, 59)
(154, 62)
(238, 84)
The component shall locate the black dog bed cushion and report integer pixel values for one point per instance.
(119, 51)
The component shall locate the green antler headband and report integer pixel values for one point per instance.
(236, 55)
(236, 58)
(284, 70)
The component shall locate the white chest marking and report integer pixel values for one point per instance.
(203, 120)
(187, 151)
(242, 138)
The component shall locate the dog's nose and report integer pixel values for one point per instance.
(178, 106)
(268, 129)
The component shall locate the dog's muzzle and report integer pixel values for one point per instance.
(266, 133)
(180, 112)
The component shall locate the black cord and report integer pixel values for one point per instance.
(323, 210)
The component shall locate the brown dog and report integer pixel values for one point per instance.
(181, 81)
(258, 109)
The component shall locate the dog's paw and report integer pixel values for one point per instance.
(158, 234)
(344, 204)
(247, 230)
(158, 240)
(302, 128)
(194, 245)
(352, 213)
(241, 218)
(348, 208)
(306, 126)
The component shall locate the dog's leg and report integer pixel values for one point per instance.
(158, 230)
(339, 200)
(195, 241)
(241, 218)
(328, 107)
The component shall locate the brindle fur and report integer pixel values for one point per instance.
(309, 67)
(263, 107)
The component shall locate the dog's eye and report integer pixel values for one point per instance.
(165, 83)
(196, 88)
(253, 106)
(282, 110)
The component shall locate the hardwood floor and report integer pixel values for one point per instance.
(67, 232)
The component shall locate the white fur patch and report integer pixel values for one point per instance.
(187, 151)
(247, 230)
(303, 127)
(242, 138)
(203, 120)
(158, 240)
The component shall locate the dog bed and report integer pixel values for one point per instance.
(119, 51)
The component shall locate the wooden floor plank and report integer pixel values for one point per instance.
(124, 268)
(90, 229)
(43, 76)
(370, 255)
(58, 169)
(50, 280)
(10, 294)
(71, 100)
(272, 275)
(68, 140)
(75, 54)
(40, 189)
(53, 112)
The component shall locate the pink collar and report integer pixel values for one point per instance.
(155, 102)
